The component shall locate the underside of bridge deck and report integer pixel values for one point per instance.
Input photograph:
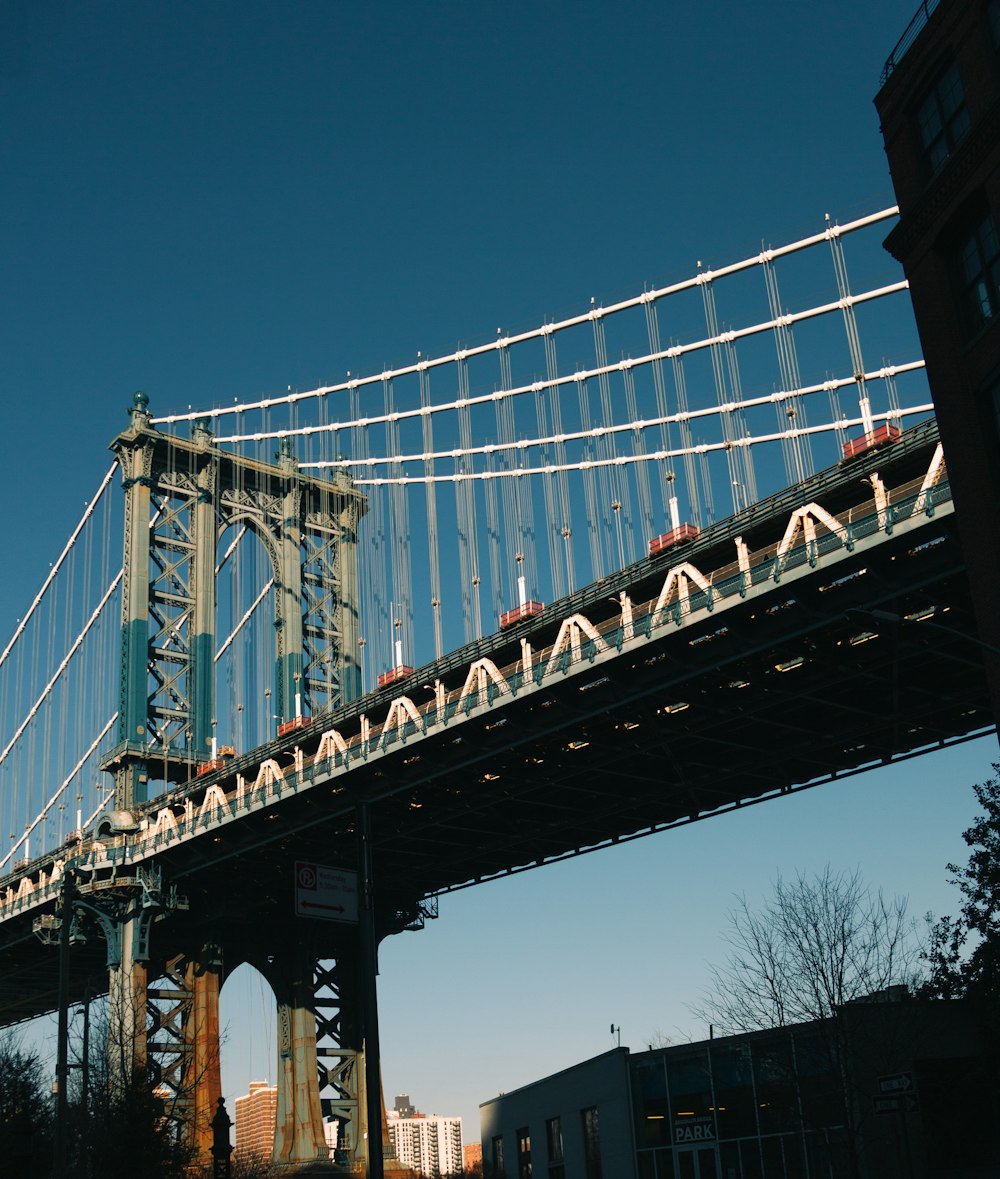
(787, 688)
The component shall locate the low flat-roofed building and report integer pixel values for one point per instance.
(890, 1087)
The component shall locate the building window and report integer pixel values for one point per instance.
(979, 272)
(942, 118)
(993, 16)
(554, 1145)
(591, 1144)
(523, 1153)
(496, 1151)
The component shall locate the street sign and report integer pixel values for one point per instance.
(896, 1083)
(897, 1103)
(331, 894)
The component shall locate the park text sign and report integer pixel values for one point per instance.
(694, 1129)
(330, 894)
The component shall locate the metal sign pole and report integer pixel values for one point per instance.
(368, 946)
(62, 1035)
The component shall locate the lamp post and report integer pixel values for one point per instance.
(59, 1136)
(221, 1148)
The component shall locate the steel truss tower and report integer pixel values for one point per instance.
(180, 495)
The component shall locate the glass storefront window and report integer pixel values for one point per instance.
(819, 1079)
(732, 1071)
(647, 1164)
(774, 1073)
(795, 1167)
(652, 1115)
(772, 1158)
(692, 1103)
(729, 1160)
(750, 1159)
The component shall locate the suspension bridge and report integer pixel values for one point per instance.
(472, 614)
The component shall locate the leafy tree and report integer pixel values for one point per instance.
(964, 952)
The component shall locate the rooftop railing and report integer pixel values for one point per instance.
(902, 47)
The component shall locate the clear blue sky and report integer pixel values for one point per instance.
(211, 201)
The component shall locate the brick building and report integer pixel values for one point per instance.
(939, 107)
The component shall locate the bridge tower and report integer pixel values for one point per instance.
(180, 495)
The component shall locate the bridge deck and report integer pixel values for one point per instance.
(763, 683)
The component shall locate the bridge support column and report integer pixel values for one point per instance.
(298, 1136)
(127, 983)
(202, 687)
(204, 1077)
(183, 1040)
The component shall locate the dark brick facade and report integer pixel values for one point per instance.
(940, 112)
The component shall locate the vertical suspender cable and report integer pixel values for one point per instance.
(548, 492)
(791, 414)
(638, 447)
(563, 522)
(594, 535)
(499, 579)
(691, 471)
(430, 492)
(850, 321)
(466, 508)
(718, 373)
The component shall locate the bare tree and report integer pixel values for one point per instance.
(818, 942)
(819, 945)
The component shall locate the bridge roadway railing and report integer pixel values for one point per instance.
(686, 595)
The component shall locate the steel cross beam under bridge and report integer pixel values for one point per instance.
(740, 666)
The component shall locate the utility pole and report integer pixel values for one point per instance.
(368, 946)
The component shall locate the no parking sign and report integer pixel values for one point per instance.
(331, 894)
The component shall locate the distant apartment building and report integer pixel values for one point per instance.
(472, 1156)
(432, 1146)
(403, 1106)
(255, 1121)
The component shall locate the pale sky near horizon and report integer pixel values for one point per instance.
(212, 201)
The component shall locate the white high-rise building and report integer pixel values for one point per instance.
(255, 1114)
(432, 1146)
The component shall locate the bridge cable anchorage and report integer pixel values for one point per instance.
(265, 404)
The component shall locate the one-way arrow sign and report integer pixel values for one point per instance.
(896, 1083)
(897, 1103)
